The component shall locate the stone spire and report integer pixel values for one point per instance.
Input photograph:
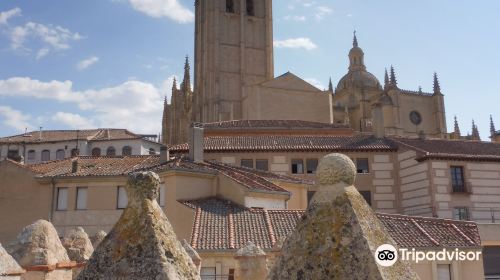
(142, 244)
(355, 40)
(186, 83)
(174, 85)
(393, 81)
(437, 87)
(492, 127)
(164, 122)
(339, 236)
(9, 268)
(330, 85)
(386, 80)
(475, 132)
(456, 130)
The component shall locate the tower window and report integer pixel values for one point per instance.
(230, 6)
(250, 8)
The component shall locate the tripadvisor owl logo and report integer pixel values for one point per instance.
(386, 255)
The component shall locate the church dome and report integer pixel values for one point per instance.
(357, 75)
(360, 79)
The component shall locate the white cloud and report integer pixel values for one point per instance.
(171, 9)
(295, 43)
(74, 121)
(315, 82)
(295, 18)
(86, 63)
(15, 119)
(5, 16)
(42, 53)
(133, 104)
(322, 11)
(52, 38)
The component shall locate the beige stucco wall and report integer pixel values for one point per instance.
(463, 270)
(381, 179)
(22, 200)
(284, 96)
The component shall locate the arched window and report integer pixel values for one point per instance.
(31, 155)
(60, 154)
(96, 152)
(127, 151)
(230, 6)
(111, 152)
(152, 151)
(45, 155)
(250, 9)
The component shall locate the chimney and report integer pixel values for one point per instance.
(164, 155)
(75, 166)
(40, 134)
(196, 142)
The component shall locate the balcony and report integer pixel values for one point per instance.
(461, 189)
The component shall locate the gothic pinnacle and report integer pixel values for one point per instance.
(393, 81)
(355, 40)
(492, 127)
(457, 128)
(330, 85)
(186, 83)
(386, 79)
(437, 87)
(174, 84)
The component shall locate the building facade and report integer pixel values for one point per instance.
(46, 145)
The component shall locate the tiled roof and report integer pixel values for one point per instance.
(95, 166)
(116, 166)
(291, 143)
(68, 135)
(451, 149)
(222, 225)
(273, 176)
(247, 177)
(271, 124)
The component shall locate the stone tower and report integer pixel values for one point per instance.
(233, 49)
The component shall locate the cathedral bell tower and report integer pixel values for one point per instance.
(233, 49)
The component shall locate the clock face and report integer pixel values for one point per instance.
(415, 117)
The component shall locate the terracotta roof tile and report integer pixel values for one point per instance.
(248, 177)
(116, 166)
(94, 166)
(451, 149)
(211, 231)
(271, 124)
(68, 135)
(291, 143)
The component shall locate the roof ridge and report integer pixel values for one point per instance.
(425, 232)
(462, 234)
(270, 229)
(230, 226)
(196, 227)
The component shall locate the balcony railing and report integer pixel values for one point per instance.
(460, 188)
(476, 214)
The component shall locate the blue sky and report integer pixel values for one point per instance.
(108, 63)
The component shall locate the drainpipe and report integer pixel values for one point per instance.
(52, 202)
